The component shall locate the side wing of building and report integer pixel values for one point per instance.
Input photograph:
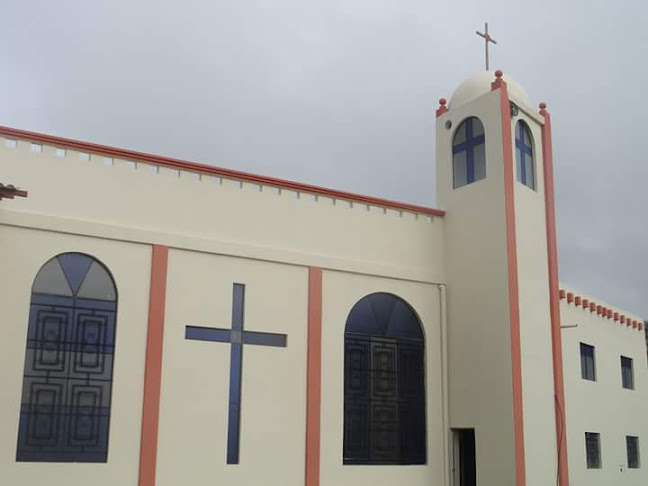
(606, 387)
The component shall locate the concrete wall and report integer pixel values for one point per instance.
(479, 343)
(341, 291)
(196, 374)
(535, 319)
(135, 201)
(220, 231)
(480, 366)
(23, 252)
(604, 406)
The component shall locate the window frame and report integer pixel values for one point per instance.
(627, 373)
(470, 145)
(519, 144)
(593, 459)
(636, 464)
(69, 362)
(585, 375)
(379, 355)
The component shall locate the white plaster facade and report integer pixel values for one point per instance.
(453, 269)
(603, 406)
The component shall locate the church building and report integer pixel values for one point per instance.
(172, 323)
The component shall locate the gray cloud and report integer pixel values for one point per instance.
(342, 93)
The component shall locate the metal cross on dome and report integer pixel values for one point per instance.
(487, 39)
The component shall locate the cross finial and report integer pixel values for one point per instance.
(487, 39)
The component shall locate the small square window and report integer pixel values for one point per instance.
(60, 152)
(627, 374)
(36, 148)
(588, 362)
(10, 143)
(593, 450)
(632, 446)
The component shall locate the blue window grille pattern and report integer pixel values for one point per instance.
(524, 155)
(67, 382)
(384, 383)
(468, 153)
(237, 336)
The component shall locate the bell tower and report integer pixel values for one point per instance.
(495, 181)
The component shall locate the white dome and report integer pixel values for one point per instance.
(480, 83)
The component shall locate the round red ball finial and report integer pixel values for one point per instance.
(499, 74)
(443, 101)
(543, 106)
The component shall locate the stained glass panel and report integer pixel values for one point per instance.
(384, 383)
(67, 383)
(468, 153)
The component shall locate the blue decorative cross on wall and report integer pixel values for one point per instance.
(237, 337)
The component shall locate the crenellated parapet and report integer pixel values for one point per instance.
(38, 143)
(604, 311)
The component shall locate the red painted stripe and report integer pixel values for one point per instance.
(554, 304)
(153, 370)
(211, 170)
(314, 377)
(514, 303)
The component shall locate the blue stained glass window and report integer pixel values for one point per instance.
(384, 383)
(524, 155)
(67, 382)
(468, 153)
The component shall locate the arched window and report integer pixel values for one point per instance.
(384, 383)
(65, 409)
(524, 155)
(468, 153)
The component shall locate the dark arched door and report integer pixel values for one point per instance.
(384, 383)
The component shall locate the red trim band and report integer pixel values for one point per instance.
(514, 301)
(153, 369)
(216, 171)
(314, 377)
(554, 299)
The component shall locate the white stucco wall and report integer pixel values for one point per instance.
(184, 210)
(535, 320)
(22, 254)
(604, 406)
(478, 304)
(219, 232)
(196, 374)
(340, 293)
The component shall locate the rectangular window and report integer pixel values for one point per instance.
(588, 362)
(593, 450)
(632, 445)
(627, 375)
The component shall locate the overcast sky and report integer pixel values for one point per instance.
(342, 93)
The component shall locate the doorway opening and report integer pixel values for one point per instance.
(464, 466)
